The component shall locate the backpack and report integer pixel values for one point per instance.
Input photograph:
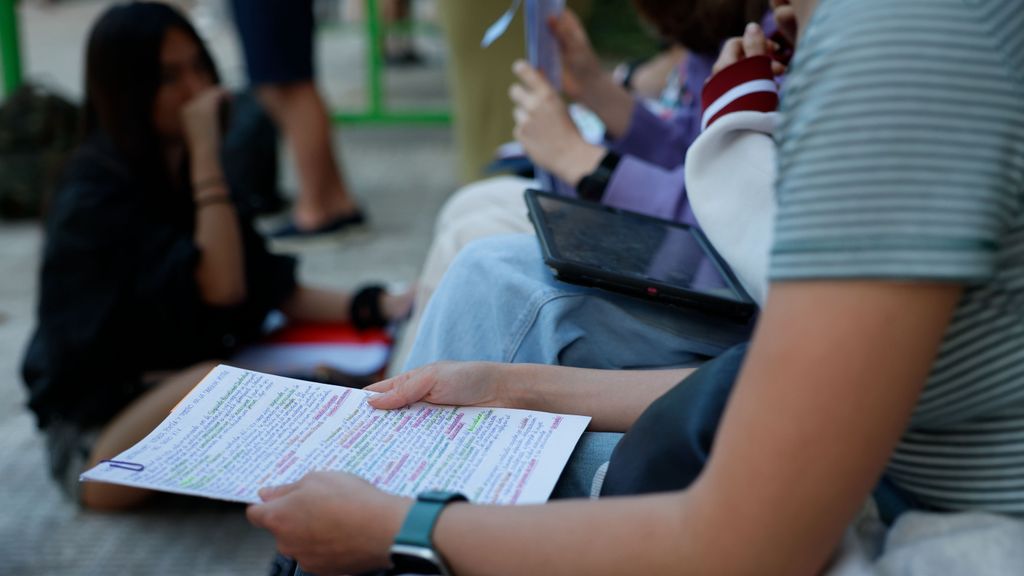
(38, 132)
(249, 157)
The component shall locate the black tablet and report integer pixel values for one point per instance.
(596, 245)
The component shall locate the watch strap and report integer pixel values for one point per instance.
(592, 186)
(418, 528)
(413, 550)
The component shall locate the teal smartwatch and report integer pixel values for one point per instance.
(413, 551)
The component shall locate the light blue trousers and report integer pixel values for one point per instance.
(499, 302)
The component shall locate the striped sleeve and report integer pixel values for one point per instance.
(898, 150)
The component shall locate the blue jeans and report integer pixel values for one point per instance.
(499, 302)
(592, 451)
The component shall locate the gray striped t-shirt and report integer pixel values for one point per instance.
(902, 157)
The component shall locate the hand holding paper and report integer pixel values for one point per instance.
(328, 516)
(547, 132)
(448, 383)
(581, 71)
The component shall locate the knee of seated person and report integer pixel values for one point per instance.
(485, 255)
(476, 196)
(110, 498)
(204, 367)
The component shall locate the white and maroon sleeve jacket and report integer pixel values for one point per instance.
(730, 169)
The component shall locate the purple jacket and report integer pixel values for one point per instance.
(650, 177)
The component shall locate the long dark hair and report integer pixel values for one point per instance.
(701, 25)
(122, 77)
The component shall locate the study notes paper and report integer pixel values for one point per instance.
(541, 44)
(240, 430)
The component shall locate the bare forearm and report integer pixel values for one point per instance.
(613, 104)
(220, 273)
(640, 535)
(317, 305)
(614, 399)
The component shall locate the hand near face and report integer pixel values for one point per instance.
(331, 523)
(201, 119)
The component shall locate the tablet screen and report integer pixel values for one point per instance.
(630, 245)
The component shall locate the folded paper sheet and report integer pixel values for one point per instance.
(239, 431)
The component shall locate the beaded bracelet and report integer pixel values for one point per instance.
(214, 182)
(213, 199)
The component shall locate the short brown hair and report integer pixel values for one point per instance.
(701, 25)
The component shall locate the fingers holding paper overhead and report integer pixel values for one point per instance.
(581, 67)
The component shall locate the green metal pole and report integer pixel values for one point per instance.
(10, 47)
(394, 118)
(376, 111)
(375, 61)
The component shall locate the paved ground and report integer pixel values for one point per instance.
(40, 533)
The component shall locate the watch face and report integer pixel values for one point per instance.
(415, 560)
(412, 565)
(439, 496)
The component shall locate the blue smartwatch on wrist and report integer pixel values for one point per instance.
(413, 551)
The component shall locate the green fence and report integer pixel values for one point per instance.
(377, 111)
(10, 47)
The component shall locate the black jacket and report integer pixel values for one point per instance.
(118, 296)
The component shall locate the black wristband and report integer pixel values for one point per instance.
(592, 186)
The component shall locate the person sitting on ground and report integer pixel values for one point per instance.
(640, 169)
(889, 343)
(149, 274)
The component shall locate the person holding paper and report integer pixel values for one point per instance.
(149, 273)
(886, 344)
(478, 79)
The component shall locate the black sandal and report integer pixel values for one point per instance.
(365, 312)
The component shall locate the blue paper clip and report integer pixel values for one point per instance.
(124, 465)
